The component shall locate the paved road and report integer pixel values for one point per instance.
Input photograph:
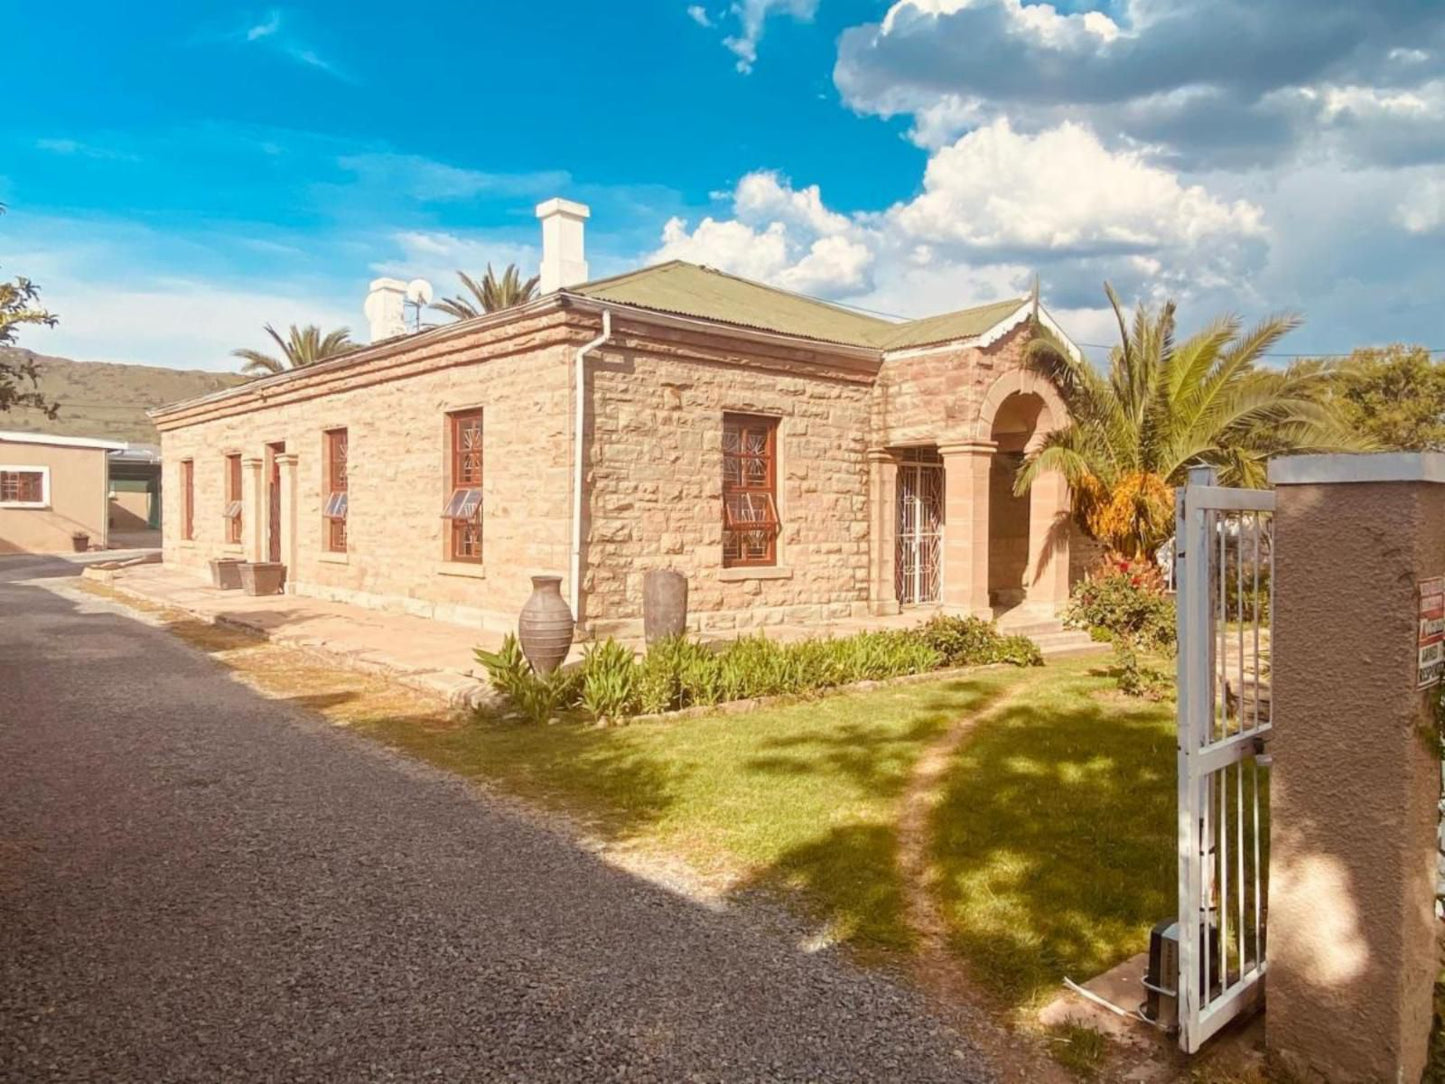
(197, 883)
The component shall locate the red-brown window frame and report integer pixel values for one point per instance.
(234, 523)
(188, 499)
(28, 487)
(464, 533)
(336, 448)
(767, 491)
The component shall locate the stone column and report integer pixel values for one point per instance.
(287, 463)
(1046, 578)
(1356, 776)
(882, 531)
(965, 533)
(253, 509)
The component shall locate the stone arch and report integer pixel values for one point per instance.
(1055, 414)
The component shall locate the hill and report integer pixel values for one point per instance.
(103, 399)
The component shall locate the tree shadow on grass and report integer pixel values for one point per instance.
(1055, 841)
(876, 758)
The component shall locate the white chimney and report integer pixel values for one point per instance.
(564, 262)
(386, 309)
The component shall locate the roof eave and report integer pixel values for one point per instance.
(372, 352)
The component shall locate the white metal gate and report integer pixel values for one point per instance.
(919, 565)
(1223, 572)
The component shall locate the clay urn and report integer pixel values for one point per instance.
(546, 626)
(664, 604)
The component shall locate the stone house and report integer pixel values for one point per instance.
(799, 462)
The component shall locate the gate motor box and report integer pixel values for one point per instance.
(1161, 1006)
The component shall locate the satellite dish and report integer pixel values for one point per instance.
(419, 292)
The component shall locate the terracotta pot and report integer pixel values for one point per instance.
(546, 626)
(664, 604)
(226, 573)
(81, 542)
(262, 577)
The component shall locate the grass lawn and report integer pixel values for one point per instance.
(802, 795)
(1055, 838)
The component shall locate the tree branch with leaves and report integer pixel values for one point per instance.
(20, 378)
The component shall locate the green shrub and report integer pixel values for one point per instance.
(972, 641)
(1133, 677)
(1125, 600)
(1018, 650)
(612, 684)
(536, 698)
(609, 681)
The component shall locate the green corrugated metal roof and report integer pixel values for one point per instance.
(689, 290)
(963, 324)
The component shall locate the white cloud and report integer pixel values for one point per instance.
(698, 14)
(752, 17)
(1195, 79)
(995, 205)
(1422, 209)
(1062, 192)
(266, 28)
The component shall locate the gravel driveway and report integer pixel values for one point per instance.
(197, 883)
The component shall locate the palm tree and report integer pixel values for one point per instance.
(1165, 406)
(305, 346)
(490, 294)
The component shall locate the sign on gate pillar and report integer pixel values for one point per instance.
(1351, 956)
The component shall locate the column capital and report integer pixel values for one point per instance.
(968, 447)
(880, 455)
(288, 459)
(254, 462)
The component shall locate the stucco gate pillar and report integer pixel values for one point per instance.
(287, 462)
(883, 531)
(253, 509)
(1356, 777)
(965, 532)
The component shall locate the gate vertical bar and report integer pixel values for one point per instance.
(1196, 708)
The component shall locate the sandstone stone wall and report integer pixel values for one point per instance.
(397, 435)
(934, 396)
(656, 481)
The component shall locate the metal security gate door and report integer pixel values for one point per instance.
(918, 567)
(1224, 548)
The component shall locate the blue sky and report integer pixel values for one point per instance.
(187, 172)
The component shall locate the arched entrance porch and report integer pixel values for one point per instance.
(1006, 553)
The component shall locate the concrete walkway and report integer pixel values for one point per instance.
(434, 656)
(201, 884)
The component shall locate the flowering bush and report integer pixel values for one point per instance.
(1125, 601)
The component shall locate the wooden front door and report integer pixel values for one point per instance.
(273, 505)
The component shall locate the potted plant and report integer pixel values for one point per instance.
(80, 540)
(262, 577)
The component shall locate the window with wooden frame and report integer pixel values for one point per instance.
(188, 499)
(463, 511)
(750, 490)
(334, 511)
(21, 487)
(233, 498)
